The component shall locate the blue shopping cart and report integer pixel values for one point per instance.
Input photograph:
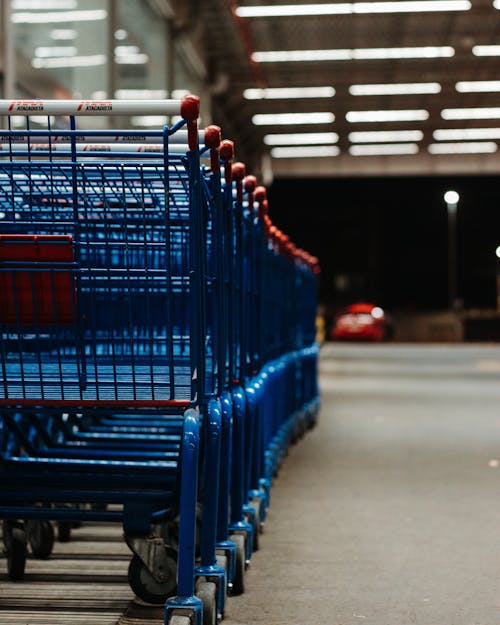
(109, 383)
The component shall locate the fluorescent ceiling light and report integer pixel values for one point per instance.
(139, 94)
(423, 6)
(356, 54)
(46, 5)
(345, 8)
(302, 138)
(131, 59)
(292, 118)
(387, 116)
(385, 136)
(69, 61)
(305, 151)
(63, 34)
(486, 50)
(124, 50)
(480, 147)
(395, 89)
(383, 150)
(288, 92)
(477, 86)
(465, 134)
(44, 52)
(279, 56)
(63, 16)
(471, 113)
(130, 55)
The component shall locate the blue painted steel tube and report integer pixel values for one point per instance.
(187, 504)
(196, 277)
(225, 459)
(212, 445)
(238, 458)
(223, 544)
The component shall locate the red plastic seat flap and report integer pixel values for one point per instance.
(32, 294)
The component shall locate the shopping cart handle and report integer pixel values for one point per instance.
(227, 155)
(249, 184)
(212, 141)
(238, 171)
(267, 221)
(190, 111)
(261, 198)
(260, 194)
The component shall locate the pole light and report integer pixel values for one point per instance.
(451, 199)
(497, 254)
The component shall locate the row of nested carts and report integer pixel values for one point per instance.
(157, 346)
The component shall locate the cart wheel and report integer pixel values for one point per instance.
(207, 592)
(146, 587)
(15, 541)
(223, 562)
(177, 619)
(40, 537)
(64, 531)
(239, 568)
(256, 525)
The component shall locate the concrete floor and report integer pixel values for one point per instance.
(388, 513)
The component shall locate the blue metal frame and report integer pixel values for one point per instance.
(156, 347)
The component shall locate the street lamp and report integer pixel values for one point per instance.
(451, 198)
(497, 254)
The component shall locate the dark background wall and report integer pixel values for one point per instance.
(385, 240)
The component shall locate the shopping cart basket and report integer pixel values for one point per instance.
(102, 270)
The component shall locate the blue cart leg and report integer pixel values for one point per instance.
(211, 578)
(186, 604)
(225, 549)
(241, 532)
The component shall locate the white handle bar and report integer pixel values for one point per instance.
(82, 148)
(179, 137)
(90, 107)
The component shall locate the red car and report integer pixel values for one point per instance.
(360, 322)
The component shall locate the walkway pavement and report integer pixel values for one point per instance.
(389, 512)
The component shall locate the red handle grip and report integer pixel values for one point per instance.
(227, 155)
(250, 183)
(212, 140)
(238, 173)
(190, 111)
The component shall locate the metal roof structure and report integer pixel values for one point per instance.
(403, 87)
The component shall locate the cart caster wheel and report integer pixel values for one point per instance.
(177, 619)
(146, 587)
(256, 532)
(207, 592)
(14, 538)
(239, 568)
(40, 537)
(256, 524)
(64, 531)
(223, 563)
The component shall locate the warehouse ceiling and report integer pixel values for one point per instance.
(392, 87)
